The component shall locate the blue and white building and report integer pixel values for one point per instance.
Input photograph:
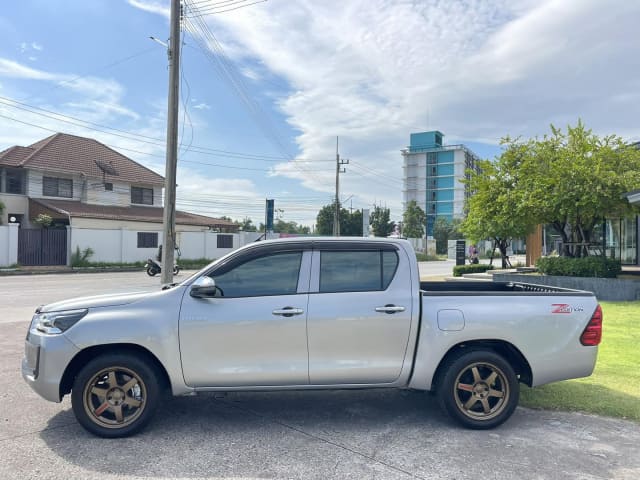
(432, 174)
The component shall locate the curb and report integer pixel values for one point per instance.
(17, 272)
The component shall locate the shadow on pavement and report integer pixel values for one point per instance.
(253, 435)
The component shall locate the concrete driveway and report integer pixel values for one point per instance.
(299, 435)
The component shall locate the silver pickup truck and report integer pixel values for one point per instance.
(315, 313)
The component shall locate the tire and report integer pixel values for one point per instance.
(176, 270)
(151, 271)
(478, 388)
(115, 395)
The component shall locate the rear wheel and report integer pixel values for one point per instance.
(115, 395)
(151, 271)
(478, 388)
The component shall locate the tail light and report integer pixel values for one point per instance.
(593, 332)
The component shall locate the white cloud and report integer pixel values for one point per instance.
(372, 71)
(250, 73)
(10, 68)
(158, 7)
(202, 106)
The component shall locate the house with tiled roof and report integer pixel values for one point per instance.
(84, 185)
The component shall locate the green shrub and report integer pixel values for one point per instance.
(601, 267)
(193, 263)
(460, 270)
(425, 257)
(79, 259)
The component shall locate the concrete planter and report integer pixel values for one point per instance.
(611, 289)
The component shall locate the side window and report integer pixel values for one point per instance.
(275, 274)
(356, 271)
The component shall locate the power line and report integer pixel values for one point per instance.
(215, 10)
(139, 137)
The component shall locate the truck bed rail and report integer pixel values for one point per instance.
(474, 287)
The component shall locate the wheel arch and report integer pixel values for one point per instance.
(501, 347)
(89, 353)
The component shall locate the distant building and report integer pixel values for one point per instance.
(432, 174)
(98, 198)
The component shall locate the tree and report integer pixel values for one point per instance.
(568, 180)
(497, 208)
(281, 226)
(575, 179)
(350, 223)
(352, 226)
(380, 222)
(413, 220)
(246, 225)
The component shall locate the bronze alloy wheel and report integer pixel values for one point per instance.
(477, 387)
(481, 391)
(115, 397)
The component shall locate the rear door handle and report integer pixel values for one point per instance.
(390, 309)
(288, 311)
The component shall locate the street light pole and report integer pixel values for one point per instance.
(169, 214)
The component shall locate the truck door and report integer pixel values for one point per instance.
(253, 332)
(359, 315)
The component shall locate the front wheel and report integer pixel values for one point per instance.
(176, 270)
(115, 395)
(478, 388)
(151, 271)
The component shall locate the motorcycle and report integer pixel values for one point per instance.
(153, 268)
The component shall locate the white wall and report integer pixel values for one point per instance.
(14, 203)
(8, 244)
(120, 195)
(121, 245)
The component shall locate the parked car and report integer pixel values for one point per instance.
(315, 313)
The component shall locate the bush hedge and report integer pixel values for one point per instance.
(460, 270)
(601, 267)
(424, 257)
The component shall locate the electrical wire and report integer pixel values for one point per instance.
(213, 11)
(141, 137)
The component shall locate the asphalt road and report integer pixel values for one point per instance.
(295, 435)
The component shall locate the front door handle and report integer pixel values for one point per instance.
(288, 311)
(390, 309)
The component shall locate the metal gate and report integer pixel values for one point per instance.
(42, 246)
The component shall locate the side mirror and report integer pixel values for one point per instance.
(203, 287)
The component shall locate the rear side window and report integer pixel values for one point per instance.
(356, 271)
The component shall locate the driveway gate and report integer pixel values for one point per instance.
(42, 246)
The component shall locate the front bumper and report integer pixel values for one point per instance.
(45, 360)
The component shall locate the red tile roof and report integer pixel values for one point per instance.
(13, 156)
(62, 152)
(67, 209)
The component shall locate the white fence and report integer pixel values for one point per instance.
(423, 245)
(8, 244)
(121, 245)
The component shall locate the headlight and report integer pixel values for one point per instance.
(57, 322)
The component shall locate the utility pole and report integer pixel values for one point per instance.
(169, 215)
(336, 213)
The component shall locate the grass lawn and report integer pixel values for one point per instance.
(614, 388)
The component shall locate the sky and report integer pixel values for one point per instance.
(268, 86)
